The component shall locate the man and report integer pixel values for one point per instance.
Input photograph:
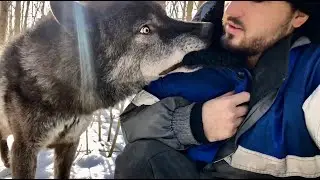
(279, 135)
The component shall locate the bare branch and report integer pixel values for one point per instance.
(200, 4)
(17, 16)
(4, 6)
(42, 9)
(189, 10)
(10, 17)
(22, 12)
(26, 15)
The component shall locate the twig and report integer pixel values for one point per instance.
(87, 144)
(111, 122)
(78, 152)
(99, 125)
(114, 139)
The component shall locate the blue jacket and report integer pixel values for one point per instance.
(276, 134)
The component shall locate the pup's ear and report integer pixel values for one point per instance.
(72, 14)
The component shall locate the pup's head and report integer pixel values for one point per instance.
(132, 41)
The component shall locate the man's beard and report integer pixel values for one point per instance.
(254, 46)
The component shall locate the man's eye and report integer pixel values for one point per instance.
(145, 30)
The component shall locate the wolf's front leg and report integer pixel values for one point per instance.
(23, 160)
(63, 158)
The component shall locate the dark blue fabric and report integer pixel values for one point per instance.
(282, 131)
(201, 86)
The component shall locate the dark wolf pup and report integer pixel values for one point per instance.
(80, 58)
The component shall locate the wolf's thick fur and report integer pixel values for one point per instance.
(49, 86)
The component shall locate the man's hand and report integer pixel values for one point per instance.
(222, 116)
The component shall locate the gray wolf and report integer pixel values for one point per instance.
(80, 58)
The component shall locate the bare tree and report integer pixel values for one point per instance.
(4, 6)
(111, 123)
(37, 7)
(99, 114)
(31, 11)
(200, 4)
(176, 9)
(26, 15)
(183, 8)
(42, 8)
(17, 16)
(189, 10)
(22, 11)
(10, 17)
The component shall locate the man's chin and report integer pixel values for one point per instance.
(228, 43)
(236, 49)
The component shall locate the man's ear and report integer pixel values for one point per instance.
(72, 14)
(299, 19)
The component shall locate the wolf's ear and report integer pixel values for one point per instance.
(71, 14)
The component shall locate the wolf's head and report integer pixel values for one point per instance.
(131, 42)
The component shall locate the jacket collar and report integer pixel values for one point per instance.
(272, 67)
(303, 40)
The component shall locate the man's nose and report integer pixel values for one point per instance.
(234, 8)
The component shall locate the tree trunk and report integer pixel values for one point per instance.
(17, 16)
(36, 7)
(99, 125)
(10, 16)
(26, 15)
(4, 6)
(184, 10)
(32, 17)
(22, 12)
(42, 9)
(189, 10)
(175, 10)
(200, 4)
(111, 123)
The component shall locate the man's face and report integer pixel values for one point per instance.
(251, 27)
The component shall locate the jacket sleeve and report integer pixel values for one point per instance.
(167, 120)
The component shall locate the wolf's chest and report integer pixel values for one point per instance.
(67, 131)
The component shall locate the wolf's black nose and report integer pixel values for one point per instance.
(207, 30)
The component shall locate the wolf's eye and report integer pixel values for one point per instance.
(145, 30)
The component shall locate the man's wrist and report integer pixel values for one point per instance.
(196, 123)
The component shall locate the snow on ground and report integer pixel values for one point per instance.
(95, 165)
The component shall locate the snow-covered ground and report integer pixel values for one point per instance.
(94, 165)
